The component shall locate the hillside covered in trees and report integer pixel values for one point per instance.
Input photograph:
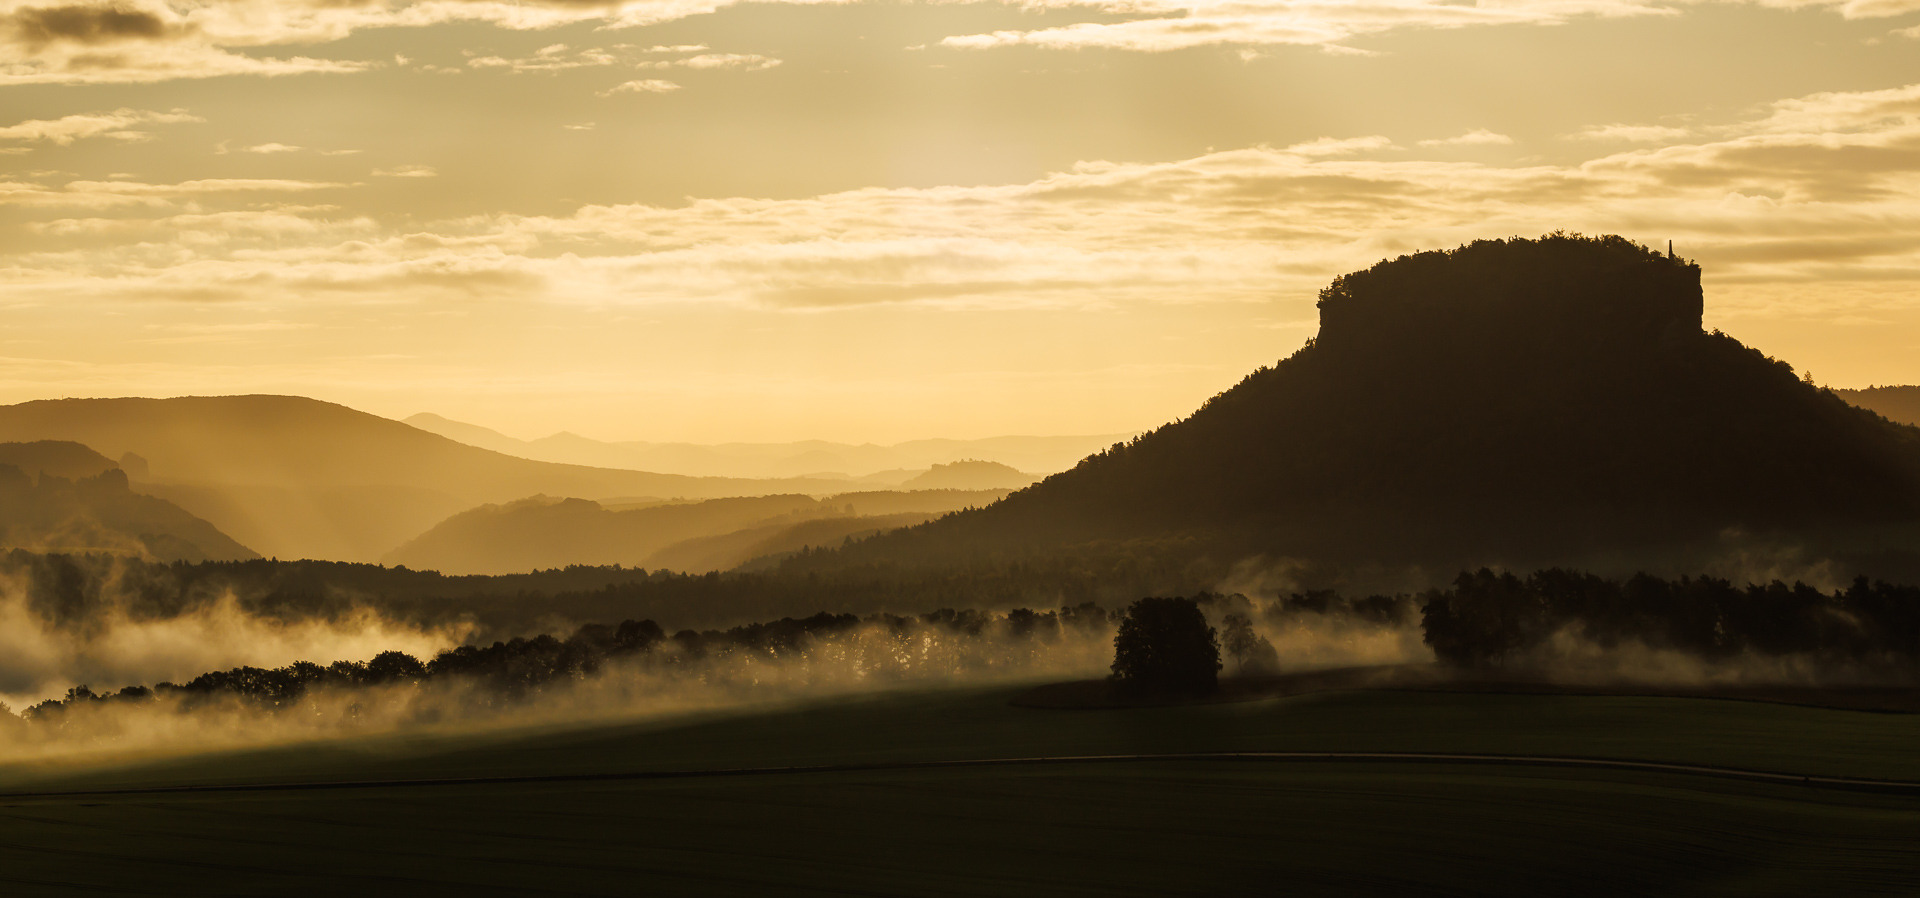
(1519, 402)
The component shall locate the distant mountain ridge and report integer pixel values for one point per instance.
(717, 534)
(63, 497)
(60, 458)
(1520, 401)
(970, 474)
(1900, 404)
(297, 477)
(866, 463)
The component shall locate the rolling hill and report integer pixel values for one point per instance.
(296, 477)
(1520, 401)
(64, 497)
(542, 532)
(1900, 404)
(970, 474)
(867, 463)
(61, 458)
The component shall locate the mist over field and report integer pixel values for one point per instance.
(53, 639)
(663, 676)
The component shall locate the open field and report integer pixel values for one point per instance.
(1143, 827)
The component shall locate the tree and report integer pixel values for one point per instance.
(388, 667)
(1165, 645)
(1250, 651)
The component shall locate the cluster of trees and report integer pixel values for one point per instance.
(1488, 618)
(499, 676)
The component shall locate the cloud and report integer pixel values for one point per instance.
(1845, 111)
(126, 41)
(1474, 138)
(271, 148)
(1184, 24)
(1630, 133)
(90, 25)
(1155, 26)
(646, 86)
(745, 62)
(559, 57)
(406, 171)
(1823, 187)
(552, 58)
(1330, 146)
(118, 125)
(100, 194)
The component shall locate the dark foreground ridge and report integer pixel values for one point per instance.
(1897, 787)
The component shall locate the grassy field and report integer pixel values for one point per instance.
(1150, 827)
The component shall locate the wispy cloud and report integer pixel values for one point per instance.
(97, 194)
(551, 58)
(746, 62)
(406, 171)
(644, 86)
(120, 124)
(1333, 146)
(1479, 137)
(1182, 24)
(1630, 133)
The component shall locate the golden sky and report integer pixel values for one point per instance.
(705, 220)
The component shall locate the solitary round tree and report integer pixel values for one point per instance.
(1165, 645)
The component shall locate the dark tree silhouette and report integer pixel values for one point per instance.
(1165, 645)
(388, 667)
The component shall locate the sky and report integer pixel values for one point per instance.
(706, 220)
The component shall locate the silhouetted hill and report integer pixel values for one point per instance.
(61, 458)
(470, 434)
(98, 513)
(766, 544)
(1900, 404)
(1512, 400)
(544, 532)
(970, 475)
(869, 463)
(297, 477)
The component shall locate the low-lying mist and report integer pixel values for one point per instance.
(189, 671)
(56, 635)
(600, 672)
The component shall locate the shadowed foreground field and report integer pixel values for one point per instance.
(1146, 827)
